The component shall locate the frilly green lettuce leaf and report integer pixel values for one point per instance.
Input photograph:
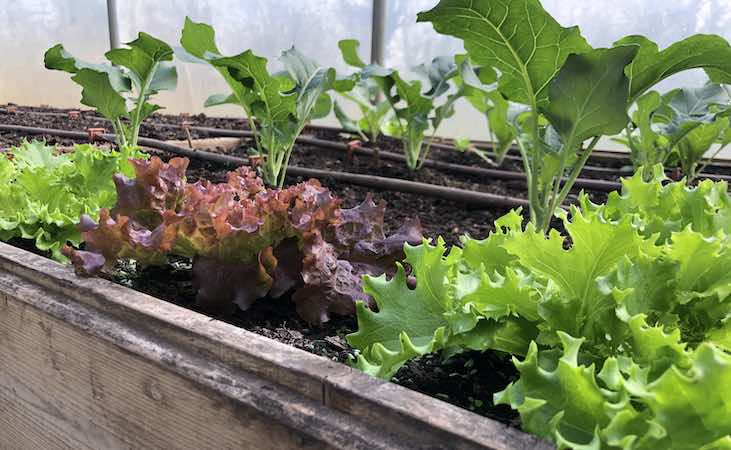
(409, 322)
(44, 191)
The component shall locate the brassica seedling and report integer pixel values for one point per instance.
(679, 127)
(406, 112)
(570, 93)
(278, 105)
(120, 91)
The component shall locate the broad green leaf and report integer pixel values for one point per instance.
(165, 78)
(651, 65)
(686, 109)
(698, 142)
(154, 48)
(647, 147)
(349, 50)
(271, 106)
(220, 99)
(497, 119)
(98, 93)
(144, 65)
(480, 90)
(518, 37)
(414, 117)
(199, 45)
(312, 81)
(199, 39)
(588, 97)
(57, 58)
(439, 72)
(322, 108)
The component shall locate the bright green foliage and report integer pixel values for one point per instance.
(679, 127)
(558, 95)
(620, 337)
(364, 93)
(413, 323)
(43, 193)
(653, 65)
(394, 106)
(138, 72)
(661, 209)
(622, 406)
(508, 35)
(277, 105)
(479, 87)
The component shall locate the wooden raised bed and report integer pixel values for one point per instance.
(88, 364)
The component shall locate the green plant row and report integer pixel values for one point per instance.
(540, 85)
(619, 326)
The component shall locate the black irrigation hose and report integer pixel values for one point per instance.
(581, 183)
(446, 144)
(475, 199)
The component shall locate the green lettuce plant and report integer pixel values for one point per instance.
(121, 91)
(278, 105)
(570, 93)
(43, 192)
(619, 327)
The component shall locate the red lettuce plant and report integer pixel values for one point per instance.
(247, 242)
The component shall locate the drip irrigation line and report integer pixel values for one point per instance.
(457, 168)
(581, 183)
(482, 145)
(471, 198)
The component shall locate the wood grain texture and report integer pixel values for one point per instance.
(86, 364)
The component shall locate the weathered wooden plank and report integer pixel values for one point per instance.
(85, 363)
(66, 391)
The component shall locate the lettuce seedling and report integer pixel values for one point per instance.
(571, 94)
(43, 192)
(247, 242)
(278, 106)
(679, 127)
(121, 91)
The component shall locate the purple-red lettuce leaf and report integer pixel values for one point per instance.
(246, 242)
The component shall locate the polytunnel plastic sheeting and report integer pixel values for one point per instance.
(28, 28)
(315, 26)
(265, 26)
(601, 21)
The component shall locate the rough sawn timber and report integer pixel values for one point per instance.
(87, 364)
